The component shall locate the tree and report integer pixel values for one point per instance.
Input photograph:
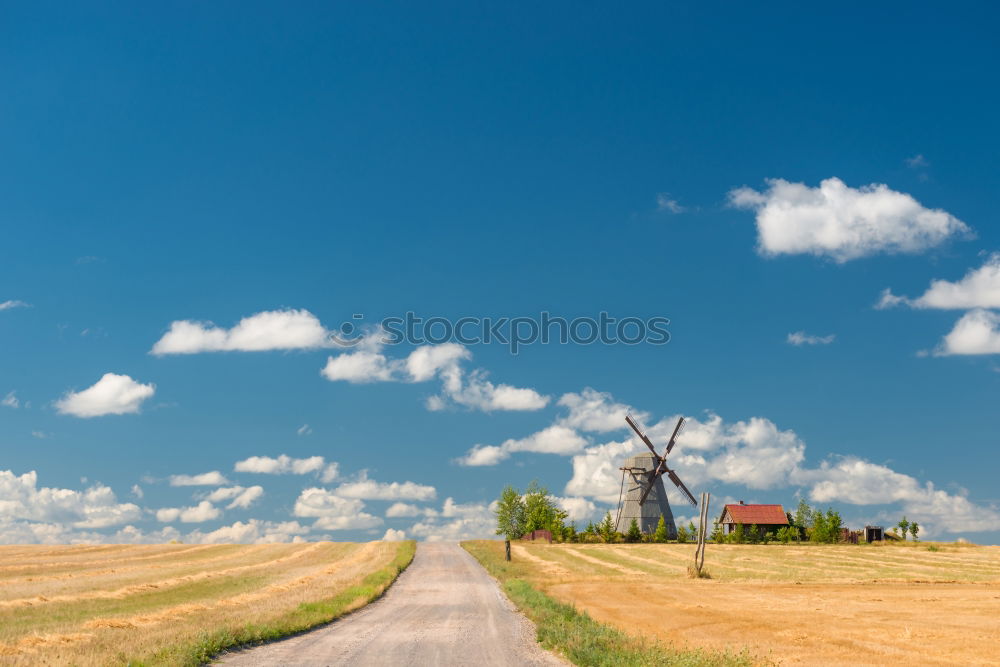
(633, 534)
(607, 528)
(904, 526)
(682, 534)
(835, 525)
(692, 531)
(661, 531)
(510, 516)
(753, 536)
(541, 511)
(914, 529)
(803, 516)
(717, 535)
(738, 536)
(820, 530)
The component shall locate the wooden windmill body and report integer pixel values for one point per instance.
(646, 500)
(638, 470)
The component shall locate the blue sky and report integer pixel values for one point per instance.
(748, 173)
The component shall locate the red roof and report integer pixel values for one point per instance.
(757, 514)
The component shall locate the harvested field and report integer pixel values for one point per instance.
(816, 604)
(168, 604)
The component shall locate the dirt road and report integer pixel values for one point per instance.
(444, 610)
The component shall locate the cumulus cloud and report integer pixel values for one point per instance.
(11, 401)
(240, 496)
(457, 521)
(111, 395)
(286, 465)
(592, 410)
(13, 303)
(556, 439)
(21, 499)
(369, 489)
(577, 509)
(393, 535)
(287, 329)
(253, 531)
(800, 338)
(469, 389)
(841, 222)
(400, 510)
(979, 288)
(213, 478)
(977, 332)
(333, 512)
(203, 511)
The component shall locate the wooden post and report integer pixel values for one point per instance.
(506, 544)
(699, 554)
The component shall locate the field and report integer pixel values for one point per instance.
(822, 604)
(176, 603)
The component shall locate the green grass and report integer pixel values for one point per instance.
(305, 617)
(575, 635)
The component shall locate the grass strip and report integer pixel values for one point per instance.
(306, 616)
(574, 634)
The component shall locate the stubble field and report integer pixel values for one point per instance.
(176, 603)
(787, 604)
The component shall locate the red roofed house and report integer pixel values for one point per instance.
(766, 517)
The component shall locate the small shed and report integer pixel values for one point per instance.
(538, 535)
(765, 517)
(874, 533)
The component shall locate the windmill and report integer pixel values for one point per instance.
(646, 499)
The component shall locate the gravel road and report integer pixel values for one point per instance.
(443, 610)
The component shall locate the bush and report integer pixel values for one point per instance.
(661, 531)
(682, 535)
(634, 534)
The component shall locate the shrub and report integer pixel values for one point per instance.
(661, 531)
(634, 534)
(682, 535)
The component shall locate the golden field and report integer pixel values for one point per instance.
(812, 604)
(169, 604)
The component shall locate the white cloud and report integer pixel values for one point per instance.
(979, 288)
(203, 511)
(393, 535)
(137, 491)
(10, 401)
(253, 531)
(286, 465)
(397, 510)
(841, 222)
(359, 367)
(333, 512)
(304, 430)
(13, 303)
(369, 489)
(242, 497)
(457, 522)
(555, 439)
(800, 338)
(213, 478)
(287, 329)
(427, 361)
(664, 203)
(96, 507)
(577, 509)
(917, 161)
(468, 389)
(111, 395)
(592, 410)
(977, 332)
